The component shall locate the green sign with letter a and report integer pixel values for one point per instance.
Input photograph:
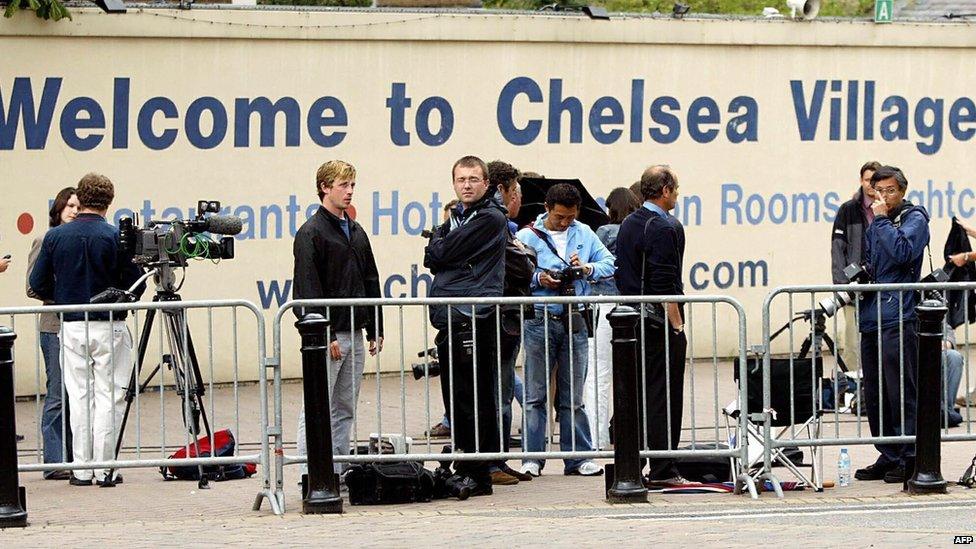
(882, 11)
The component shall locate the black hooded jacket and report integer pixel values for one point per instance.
(957, 243)
(467, 258)
(328, 265)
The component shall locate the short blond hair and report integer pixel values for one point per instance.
(332, 171)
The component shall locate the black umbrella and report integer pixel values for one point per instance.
(534, 197)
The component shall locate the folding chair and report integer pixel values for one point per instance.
(792, 411)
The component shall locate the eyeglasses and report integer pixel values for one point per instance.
(886, 191)
(473, 180)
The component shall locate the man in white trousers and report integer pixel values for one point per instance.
(77, 261)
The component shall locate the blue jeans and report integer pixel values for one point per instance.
(51, 431)
(952, 376)
(573, 423)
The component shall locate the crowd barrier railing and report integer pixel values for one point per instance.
(481, 353)
(816, 398)
(161, 354)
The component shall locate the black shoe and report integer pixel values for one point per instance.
(20, 438)
(460, 486)
(875, 471)
(482, 483)
(118, 480)
(75, 481)
(895, 475)
(58, 475)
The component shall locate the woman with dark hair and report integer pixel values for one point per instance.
(596, 389)
(63, 210)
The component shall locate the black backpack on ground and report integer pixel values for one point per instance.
(381, 483)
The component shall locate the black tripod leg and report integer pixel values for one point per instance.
(191, 375)
(833, 350)
(130, 391)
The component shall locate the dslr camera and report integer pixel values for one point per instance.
(855, 274)
(567, 280)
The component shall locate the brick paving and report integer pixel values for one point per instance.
(552, 510)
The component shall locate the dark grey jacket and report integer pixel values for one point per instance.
(847, 238)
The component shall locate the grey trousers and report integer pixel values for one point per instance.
(345, 380)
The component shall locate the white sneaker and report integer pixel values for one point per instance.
(531, 468)
(588, 469)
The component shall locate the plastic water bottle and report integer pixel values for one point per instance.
(844, 469)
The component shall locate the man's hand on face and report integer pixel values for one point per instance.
(879, 207)
(548, 281)
(375, 346)
(334, 350)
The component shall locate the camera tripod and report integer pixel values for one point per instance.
(817, 338)
(181, 359)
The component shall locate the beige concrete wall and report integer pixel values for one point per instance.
(730, 91)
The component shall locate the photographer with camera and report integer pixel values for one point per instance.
(895, 244)
(77, 261)
(333, 259)
(847, 247)
(467, 258)
(570, 257)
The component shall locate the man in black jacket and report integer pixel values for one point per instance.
(650, 256)
(333, 259)
(467, 258)
(846, 247)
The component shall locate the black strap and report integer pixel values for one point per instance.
(644, 253)
(552, 247)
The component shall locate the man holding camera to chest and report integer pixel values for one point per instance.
(895, 244)
(570, 256)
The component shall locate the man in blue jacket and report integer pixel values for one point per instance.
(894, 246)
(561, 244)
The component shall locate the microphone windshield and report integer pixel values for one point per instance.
(224, 224)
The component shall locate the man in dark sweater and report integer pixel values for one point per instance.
(846, 247)
(467, 258)
(650, 255)
(333, 259)
(77, 261)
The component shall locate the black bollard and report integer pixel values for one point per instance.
(13, 512)
(927, 477)
(628, 486)
(322, 493)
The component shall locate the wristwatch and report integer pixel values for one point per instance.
(679, 329)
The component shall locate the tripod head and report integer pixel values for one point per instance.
(816, 316)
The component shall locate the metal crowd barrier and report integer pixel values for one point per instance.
(381, 430)
(186, 398)
(795, 400)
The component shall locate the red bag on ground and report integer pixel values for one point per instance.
(224, 443)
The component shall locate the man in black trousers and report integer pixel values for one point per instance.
(650, 254)
(466, 255)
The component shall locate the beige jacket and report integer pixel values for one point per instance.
(49, 321)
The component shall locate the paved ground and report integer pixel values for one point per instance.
(553, 510)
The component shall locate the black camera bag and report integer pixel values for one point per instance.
(383, 483)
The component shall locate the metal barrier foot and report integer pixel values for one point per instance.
(774, 482)
(744, 480)
(276, 507)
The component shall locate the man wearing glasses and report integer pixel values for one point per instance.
(894, 246)
(466, 255)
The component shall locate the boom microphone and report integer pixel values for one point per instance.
(223, 224)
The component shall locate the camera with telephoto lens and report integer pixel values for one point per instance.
(172, 243)
(567, 280)
(855, 274)
(431, 367)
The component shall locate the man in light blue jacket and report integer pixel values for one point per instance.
(570, 256)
